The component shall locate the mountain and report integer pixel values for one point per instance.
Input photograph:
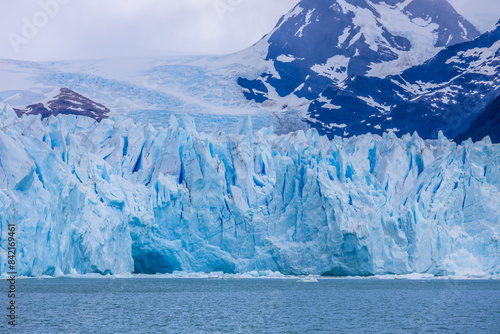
(446, 93)
(322, 43)
(486, 124)
(116, 197)
(66, 102)
(373, 66)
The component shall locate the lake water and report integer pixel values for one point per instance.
(150, 305)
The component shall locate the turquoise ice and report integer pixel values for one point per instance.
(119, 197)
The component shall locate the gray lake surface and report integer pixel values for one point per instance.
(170, 305)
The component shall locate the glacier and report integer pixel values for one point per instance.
(150, 90)
(120, 197)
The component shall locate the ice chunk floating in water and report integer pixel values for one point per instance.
(120, 197)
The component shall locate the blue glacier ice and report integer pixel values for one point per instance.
(119, 197)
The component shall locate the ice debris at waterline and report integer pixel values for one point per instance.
(119, 197)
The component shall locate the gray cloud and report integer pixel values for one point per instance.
(76, 29)
(482, 13)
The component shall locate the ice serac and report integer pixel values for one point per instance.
(120, 197)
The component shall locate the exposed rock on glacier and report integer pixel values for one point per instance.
(66, 102)
(120, 197)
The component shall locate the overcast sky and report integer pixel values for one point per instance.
(79, 29)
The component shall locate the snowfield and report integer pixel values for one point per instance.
(118, 197)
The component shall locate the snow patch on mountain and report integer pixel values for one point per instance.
(335, 68)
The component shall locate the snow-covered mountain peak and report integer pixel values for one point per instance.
(321, 43)
(370, 66)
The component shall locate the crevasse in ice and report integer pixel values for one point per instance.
(120, 197)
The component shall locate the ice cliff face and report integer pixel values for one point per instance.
(119, 197)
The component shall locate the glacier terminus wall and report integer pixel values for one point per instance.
(119, 197)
